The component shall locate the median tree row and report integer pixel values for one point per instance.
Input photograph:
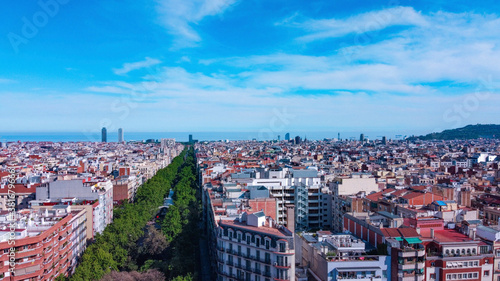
(116, 248)
(181, 225)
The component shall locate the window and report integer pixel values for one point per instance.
(475, 274)
(257, 242)
(476, 263)
(267, 244)
(248, 239)
(486, 272)
(282, 247)
(433, 275)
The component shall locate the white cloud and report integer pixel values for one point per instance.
(359, 24)
(179, 16)
(127, 67)
(6, 81)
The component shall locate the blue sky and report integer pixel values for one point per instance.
(227, 65)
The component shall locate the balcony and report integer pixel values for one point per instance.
(411, 278)
(409, 266)
(267, 273)
(230, 263)
(376, 278)
(282, 265)
(351, 258)
(408, 253)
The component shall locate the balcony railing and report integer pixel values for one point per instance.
(282, 264)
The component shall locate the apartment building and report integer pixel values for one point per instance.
(407, 254)
(124, 188)
(300, 188)
(86, 189)
(455, 256)
(341, 188)
(24, 193)
(92, 212)
(253, 248)
(332, 257)
(47, 244)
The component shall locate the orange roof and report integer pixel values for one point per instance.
(378, 195)
(449, 235)
(417, 198)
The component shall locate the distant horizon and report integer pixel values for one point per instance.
(112, 136)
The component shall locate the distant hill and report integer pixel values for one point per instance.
(465, 133)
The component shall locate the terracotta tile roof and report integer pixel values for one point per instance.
(417, 198)
(399, 232)
(20, 189)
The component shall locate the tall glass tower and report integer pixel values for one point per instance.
(120, 135)
(104, 134)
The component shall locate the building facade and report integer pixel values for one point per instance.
(254, 250)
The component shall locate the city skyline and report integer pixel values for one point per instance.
(225, 65)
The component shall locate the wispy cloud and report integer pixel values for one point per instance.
(362, 23)
(127, 67)
(6, 81)
(179, 17)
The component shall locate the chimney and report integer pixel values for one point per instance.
(432, 233)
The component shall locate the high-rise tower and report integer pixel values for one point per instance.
(120, 135)
(104, 134)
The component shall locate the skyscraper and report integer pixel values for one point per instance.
(190, 138)
(287, 136)
(362, 137)
(104, 134)
(384, 140)
(120, 135)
